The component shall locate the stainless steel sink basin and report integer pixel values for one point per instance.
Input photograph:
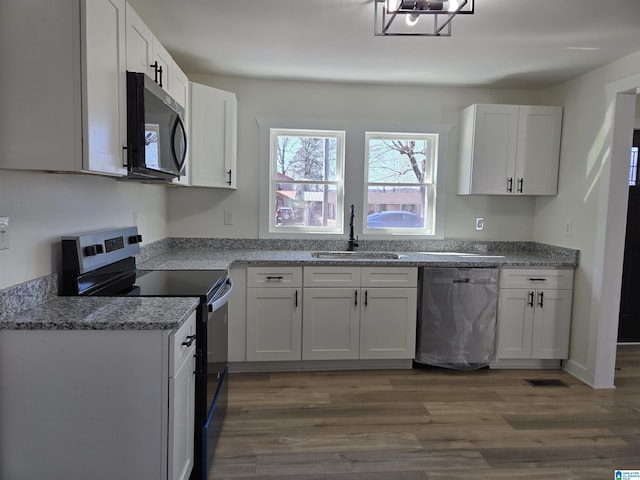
(359, 255)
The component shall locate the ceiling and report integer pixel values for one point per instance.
(506, 43)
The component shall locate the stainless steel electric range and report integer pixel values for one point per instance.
(103, 264)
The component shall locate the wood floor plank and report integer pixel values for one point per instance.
(429, 424)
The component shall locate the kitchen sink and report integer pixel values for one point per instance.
(359, 255)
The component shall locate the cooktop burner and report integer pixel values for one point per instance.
(177, 283)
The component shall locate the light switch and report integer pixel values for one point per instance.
(480, 223)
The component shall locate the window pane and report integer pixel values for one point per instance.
(305, 205)
(633, 167)
(390, 206)
(399, 161)
(311, 158)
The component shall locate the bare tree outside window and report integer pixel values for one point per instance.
(400, 178)
(306, 179)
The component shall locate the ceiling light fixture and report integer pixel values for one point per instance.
(436, 22)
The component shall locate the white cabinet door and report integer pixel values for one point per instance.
(509, 150)
(388, 323)
(104, 60)
(164, 66)
(139, 42)
(213, 125)
(515, 323)
(331, 322)
(539, 131)
(274, 324)
(551, 327)
(488, 149)
(182, 420)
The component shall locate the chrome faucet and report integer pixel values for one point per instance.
(353, 242)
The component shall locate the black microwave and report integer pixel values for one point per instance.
(156, 136)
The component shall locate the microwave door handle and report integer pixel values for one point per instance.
(183, 154)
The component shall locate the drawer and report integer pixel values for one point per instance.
(331, 276)
(274, 276)
(555, 278)
(182, 344)
(389, 277)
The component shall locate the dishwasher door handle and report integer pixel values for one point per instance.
(462, 280)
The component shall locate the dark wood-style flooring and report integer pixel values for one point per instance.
(430, 424)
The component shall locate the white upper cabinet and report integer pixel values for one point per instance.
(146, 54)
(64, 88)
(213, 124)
(139, 44)
(509, 150)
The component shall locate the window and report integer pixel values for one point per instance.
(633, 167)
(306, 180)
(400, 177)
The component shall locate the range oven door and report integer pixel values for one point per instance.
(216, 376)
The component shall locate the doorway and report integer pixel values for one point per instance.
(629, 320)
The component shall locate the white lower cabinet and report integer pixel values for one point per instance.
(99, 404)
(359, 313)
(274, 313)
(331, 324)
(534, 313)
(330, 313)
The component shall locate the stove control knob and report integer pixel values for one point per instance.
(92, 250)
(133, 239)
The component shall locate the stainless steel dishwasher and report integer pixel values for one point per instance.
(457, 309)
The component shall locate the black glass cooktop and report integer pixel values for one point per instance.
(177, 283)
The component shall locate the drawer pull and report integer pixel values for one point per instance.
(278, 277)
(537, 279)
(189, 341)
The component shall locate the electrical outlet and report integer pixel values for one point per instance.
(229, 217)
(4, 233)
(480, 223)
(568, 227)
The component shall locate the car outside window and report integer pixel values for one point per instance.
(400, 175)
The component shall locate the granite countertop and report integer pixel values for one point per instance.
(34, 305)
(207, 258)
(103, 313)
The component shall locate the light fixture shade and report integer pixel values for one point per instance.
(439, 14)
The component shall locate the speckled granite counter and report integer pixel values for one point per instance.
(219, 254)
(103, 313)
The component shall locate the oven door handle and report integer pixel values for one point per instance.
(220, 301)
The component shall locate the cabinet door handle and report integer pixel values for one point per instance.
(530, 302)
(366, 298)
(189, 341)
(510, 185)
(229, 173)
(356, 292)
(541, 299)
(155, 71)
(520, 183)
(296, 299)
(160, 70)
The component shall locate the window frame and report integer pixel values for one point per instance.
(353, 181)
(267, 209)
(432, 213)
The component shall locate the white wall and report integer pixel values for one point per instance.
(42, 207)
(593, 197)
(200, 212)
